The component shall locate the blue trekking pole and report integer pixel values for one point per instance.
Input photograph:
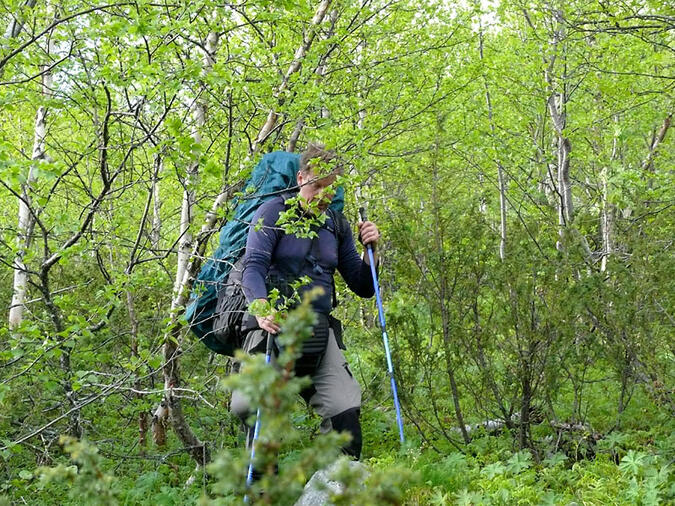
(256, 429)
(385, 337)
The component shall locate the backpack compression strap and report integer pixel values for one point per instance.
(340, 229)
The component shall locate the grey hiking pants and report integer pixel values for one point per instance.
(334, 393)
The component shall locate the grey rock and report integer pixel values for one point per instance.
(322, 485)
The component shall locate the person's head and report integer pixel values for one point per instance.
(319, 169)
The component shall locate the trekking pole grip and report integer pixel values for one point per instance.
(362, 214)
(362, 217)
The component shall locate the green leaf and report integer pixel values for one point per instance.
(519, 462)
(25, 474)
(633, 462)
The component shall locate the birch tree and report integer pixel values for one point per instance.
(26, 216)
(16, 25)
(171, 406)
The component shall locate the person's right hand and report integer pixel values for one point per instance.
(268, 323)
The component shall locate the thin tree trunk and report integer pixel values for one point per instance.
(556, 106)
(606, 222)
(272, 116)
(608, 209)
(199, 119)
(143, 414)
(500, 169)
(15, 27)
(502, 211)
(293, 141)
(26, 218)
(173, 408)
(557, 103)
(625, 376)
(24, 234)
(321, 68)
(320, 71)
(525, 406)
(648, 164)
(156, 230)
(450, 370)
(444, 294)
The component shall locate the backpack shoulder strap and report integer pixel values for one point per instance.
(339, 223)
(284, 196)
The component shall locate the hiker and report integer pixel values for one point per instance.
(273, 259)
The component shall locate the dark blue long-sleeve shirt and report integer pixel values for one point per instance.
(271, 253)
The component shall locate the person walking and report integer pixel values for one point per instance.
(274, 259)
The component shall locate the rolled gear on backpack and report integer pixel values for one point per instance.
(230, 309)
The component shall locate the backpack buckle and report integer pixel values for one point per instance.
(315, 264)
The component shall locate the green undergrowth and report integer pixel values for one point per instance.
(630, 467)
(639, 478)
(597, 464)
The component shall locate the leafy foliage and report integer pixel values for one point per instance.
(529, 302)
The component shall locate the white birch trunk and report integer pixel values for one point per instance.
(502, 212)
(362, 108)
(199, 119)
(300, 53)
(606, 223)
(155, 232)
(557, 102)
(500, 169)
(295, 136)
(171, 405)
(608, 210)
(26, 221)
(15, 27)
(320, 71)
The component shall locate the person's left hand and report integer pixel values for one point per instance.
(368, 233)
